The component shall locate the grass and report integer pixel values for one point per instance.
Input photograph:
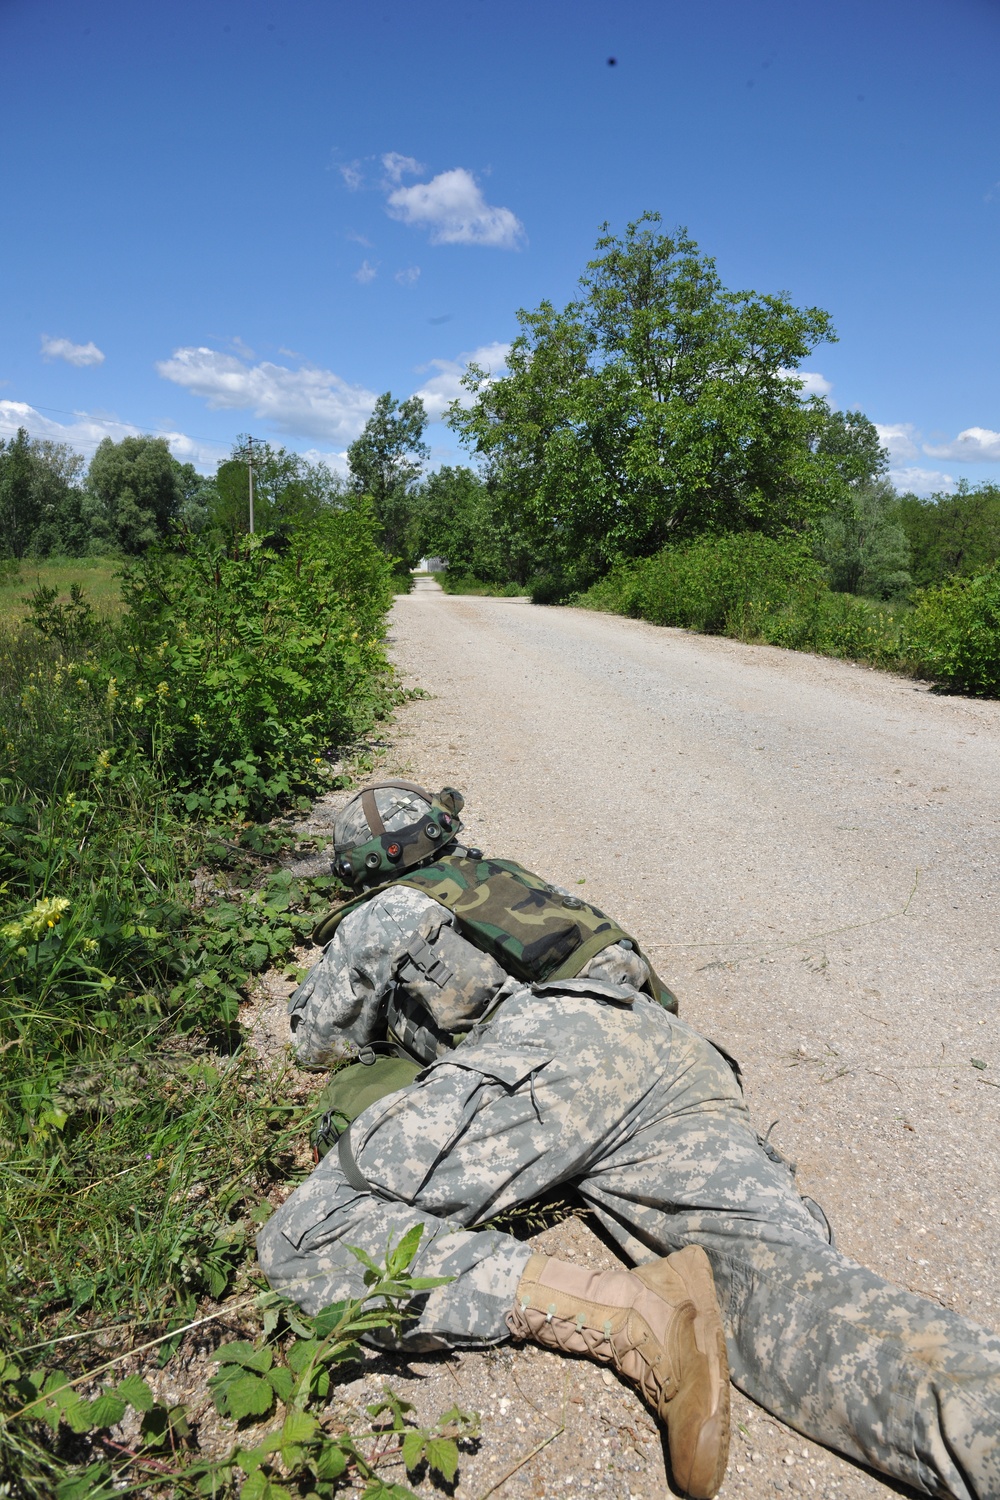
(96, 575)
(460, 584)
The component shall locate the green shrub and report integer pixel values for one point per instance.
(953, 634)
(717, 584)
(459, 583)
(236, 672)
(222, 691)
(753, 588)
(547, 588)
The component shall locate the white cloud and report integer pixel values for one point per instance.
(73, 354)
(397, 167)
(409, 276)
(366, 272)
(974, 445)
(335, 461)
(442, 389)
(813, 383)
(309, 402)
(453, 208)
(86, 431)
(900, 438)
(921, 481)
(352, 177)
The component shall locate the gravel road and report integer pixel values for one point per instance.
(808, 850)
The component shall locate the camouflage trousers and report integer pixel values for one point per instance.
(646, 1119)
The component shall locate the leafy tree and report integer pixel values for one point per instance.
(450, 508)
(952, 534)
(863, 546)
(853, 445)
(62, 525)
(859, 539)
(385, 463)
(288, 490)
(656, 406)
(19, 499)
(135, 490)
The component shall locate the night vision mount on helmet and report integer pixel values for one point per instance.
(392, 826)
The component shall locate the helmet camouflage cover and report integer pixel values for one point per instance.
(390, 827)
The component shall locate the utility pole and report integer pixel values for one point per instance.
(250, 471)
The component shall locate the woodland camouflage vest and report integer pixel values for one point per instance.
(532, 931)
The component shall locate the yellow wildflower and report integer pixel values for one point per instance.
(38, 921)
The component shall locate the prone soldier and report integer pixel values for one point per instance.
(540, 1049)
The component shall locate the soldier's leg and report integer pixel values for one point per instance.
(868, 1368)
(303, 1252)
(528, 1104)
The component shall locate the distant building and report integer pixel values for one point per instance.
(432, 565)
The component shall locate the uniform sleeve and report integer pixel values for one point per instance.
(341, 1003)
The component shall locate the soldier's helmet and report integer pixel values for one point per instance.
(390, 827)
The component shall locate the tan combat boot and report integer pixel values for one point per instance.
(660, 1326)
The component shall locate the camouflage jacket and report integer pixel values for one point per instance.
(381, 977)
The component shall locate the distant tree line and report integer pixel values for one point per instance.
(656, 408)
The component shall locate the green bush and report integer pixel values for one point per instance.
(133, 751)
(234, 672)
(953, 634)
(722, 585)
(459, 583)
(754, 588)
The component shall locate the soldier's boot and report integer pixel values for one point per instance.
(660, 1326)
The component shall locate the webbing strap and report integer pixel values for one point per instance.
(370, 807)
(349, 1166)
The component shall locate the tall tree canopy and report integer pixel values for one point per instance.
(385, 463)
(20, 507)
(949, 534)
(286, 489)
(655, 406)
(135, 489)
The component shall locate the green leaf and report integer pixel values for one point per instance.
(365, 1259)
(301, 1352)
(282, 1382)
(106, 1409)
(414, 1444)
(250, 1459)
(331, 1461)
(394, 1405)
(259, 1487)
(442, 1455)
(93, 1484)
(216, 1280)
(136, 1392)
(299, 1427)
(402, 1255)
(377, 1489)
(327, 1319)
(241, 1353)
(249, 1397)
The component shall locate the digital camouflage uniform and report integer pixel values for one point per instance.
(589, 1081)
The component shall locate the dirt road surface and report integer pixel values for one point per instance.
(808, 850)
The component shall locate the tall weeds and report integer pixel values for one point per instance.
(138, 1138)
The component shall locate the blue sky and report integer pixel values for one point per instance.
(238, 216)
